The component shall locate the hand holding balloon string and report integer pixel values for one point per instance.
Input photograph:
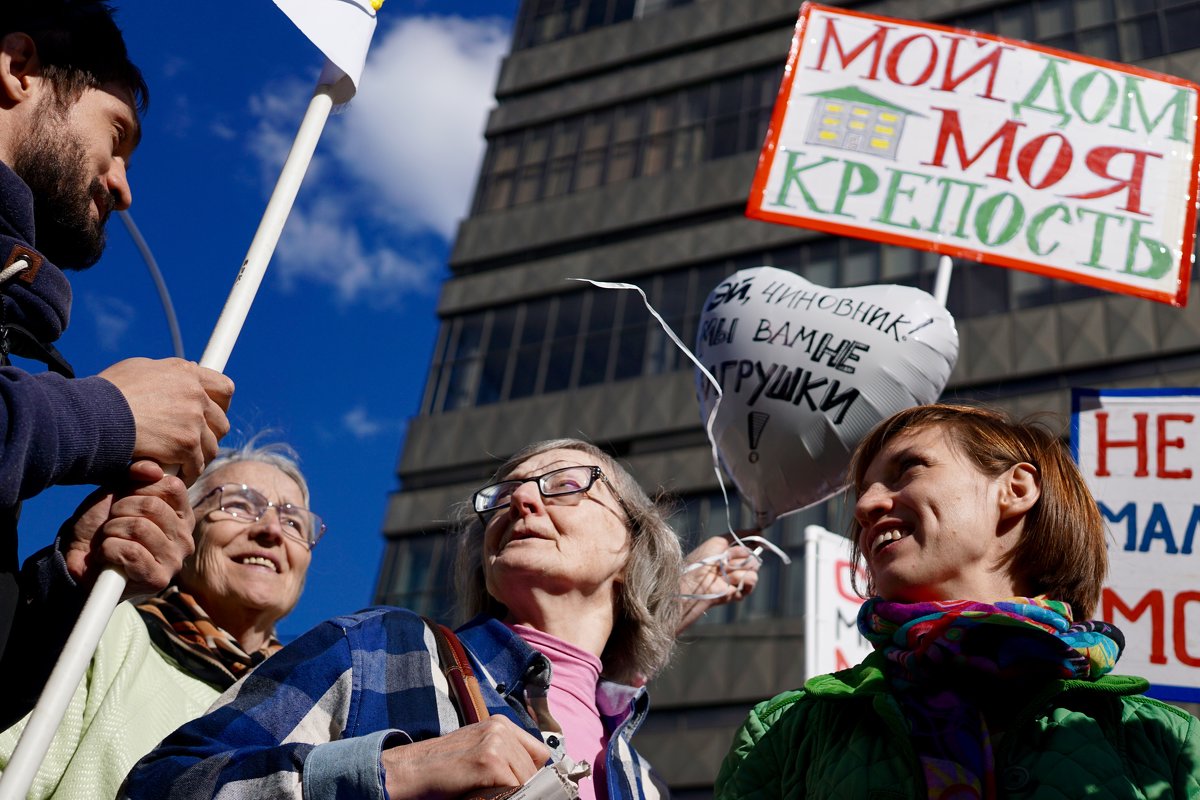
(722, 569)
(733, 560)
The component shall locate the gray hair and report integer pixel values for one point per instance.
(280, 455)
(647, 602)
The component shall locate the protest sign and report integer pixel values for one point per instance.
(831, 638)
(1139, 450)
(984, 148)
(806, 372)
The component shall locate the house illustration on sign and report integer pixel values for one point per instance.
(851, 119)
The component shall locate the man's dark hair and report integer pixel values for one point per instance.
(79, 45)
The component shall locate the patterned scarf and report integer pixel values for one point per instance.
(182, 629)
(948, 658)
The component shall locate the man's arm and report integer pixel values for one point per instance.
(56, 430)
(145, 528)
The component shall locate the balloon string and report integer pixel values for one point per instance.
(708, 423)
(662, 322)
(725, 563)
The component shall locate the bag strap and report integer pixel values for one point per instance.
(464, 687)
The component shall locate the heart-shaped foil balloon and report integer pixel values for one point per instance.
(806, 372)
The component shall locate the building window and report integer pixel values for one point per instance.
(589, 336)
(462, 366)
(579, 338)
(563, 342)
(417, 574)
(544, 21)
(531, 344)
(1117, 30)
(594, 358)
(495, 362)
(418, 570)
(650, 136)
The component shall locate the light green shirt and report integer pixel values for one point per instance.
(131, 697)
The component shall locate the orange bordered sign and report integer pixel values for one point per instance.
(984, 148)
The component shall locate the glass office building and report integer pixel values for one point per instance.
(622, 147)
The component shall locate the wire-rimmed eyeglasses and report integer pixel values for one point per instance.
(556, 483)
(246, 505)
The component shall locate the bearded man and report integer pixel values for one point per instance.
(69, 123)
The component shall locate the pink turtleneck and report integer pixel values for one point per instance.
(575, 674)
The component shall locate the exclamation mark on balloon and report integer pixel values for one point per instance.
(757, 421)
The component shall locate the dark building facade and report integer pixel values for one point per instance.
(622, 147)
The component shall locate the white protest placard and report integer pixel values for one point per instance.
(1139, 450)
(831, 638)
(984, 148)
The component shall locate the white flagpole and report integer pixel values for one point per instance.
(245, 286)
(77, 653)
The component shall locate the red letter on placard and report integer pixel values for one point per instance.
(1103, 444)
(845, 589)
(1153, 600)
(950, 82)
(951, 131)
(893, 60)
(1098, 160)
(1181, 651)
(876, 39)
(1164, 443)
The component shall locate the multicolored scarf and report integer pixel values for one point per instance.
(182, 629)
(945, 658)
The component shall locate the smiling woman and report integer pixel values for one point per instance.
(985, 556)
(253, 544)
(163, 662)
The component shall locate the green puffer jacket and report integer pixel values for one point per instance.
(844, 736)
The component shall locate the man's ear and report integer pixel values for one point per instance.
(1021, 488)
(19, 68)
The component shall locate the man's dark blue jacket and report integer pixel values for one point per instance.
(53, 430)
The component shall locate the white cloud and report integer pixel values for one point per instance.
(414, 133)
(362, 425)
(112, 318)
(175, 66)
(222, 130)
(322, 244)
(278, 111)
(396, 169)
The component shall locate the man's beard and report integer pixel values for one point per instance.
(53, 163)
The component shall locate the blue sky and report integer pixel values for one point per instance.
(336, 348)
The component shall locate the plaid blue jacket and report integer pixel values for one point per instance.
(312, 720)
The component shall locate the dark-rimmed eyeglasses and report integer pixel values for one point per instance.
(556, 483)
(246, 505)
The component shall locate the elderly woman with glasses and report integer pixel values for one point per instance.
(571, 575)
(163, 662)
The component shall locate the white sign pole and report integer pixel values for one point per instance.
(77, 653)
(941, 283)
(832, 640)
(812, 540)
